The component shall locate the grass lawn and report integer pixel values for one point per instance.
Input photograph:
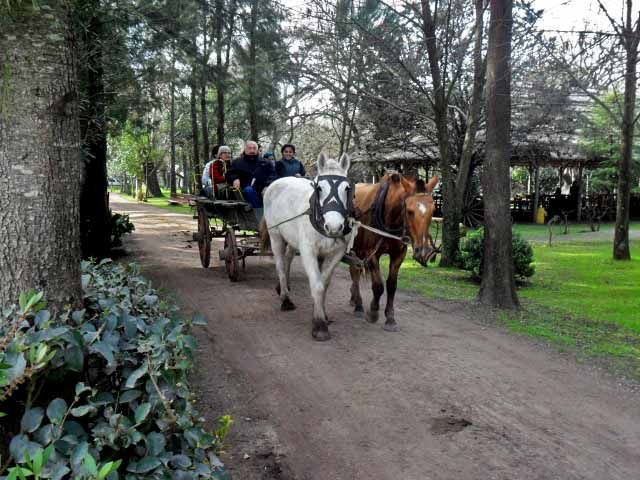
(576, 231)
(163, 202)
(579, 298)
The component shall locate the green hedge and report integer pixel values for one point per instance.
(102, 392)
(472, 251)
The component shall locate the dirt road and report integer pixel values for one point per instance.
(448, 397)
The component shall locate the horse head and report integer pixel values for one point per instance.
(333, 195)
(419, 210)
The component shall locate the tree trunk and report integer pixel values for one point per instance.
(452, 246)
(450, 230)
(252, 108)
(621, 250)
(220, 111)
(95, 221)
(497, 287)
(221, 70)
(194, 126)
(151, 179)
(40, 160)
(172, 140)
(204, 120)
(186, 183)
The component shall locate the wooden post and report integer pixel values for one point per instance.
(580, 190)
(536, 190)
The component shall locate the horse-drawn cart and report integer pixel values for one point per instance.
(235, 221)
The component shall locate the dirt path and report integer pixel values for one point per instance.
(447, 397)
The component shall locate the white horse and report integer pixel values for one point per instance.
(313, 219)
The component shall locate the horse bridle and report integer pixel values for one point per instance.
(400, 231)
(332, 203)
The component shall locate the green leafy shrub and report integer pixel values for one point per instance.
(472, 251)
(120, 224)
(102, 392)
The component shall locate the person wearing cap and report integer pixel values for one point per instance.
(289, 166)
(215, 171)
(270, 158)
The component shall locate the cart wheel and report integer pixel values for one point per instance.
(231, 255)
(204, 237)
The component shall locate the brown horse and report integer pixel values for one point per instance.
(401, 206)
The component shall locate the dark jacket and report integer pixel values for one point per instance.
(247, 169)
(290, 168)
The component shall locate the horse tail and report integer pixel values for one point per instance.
(265, 239)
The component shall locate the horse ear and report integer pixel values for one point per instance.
(322, 161)
(420, 186)
(345, 162)
(432, 183)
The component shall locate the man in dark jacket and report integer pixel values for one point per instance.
(250, 174)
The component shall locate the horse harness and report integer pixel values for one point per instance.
(380, 228)
(332, 203)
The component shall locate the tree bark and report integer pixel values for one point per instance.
(473, 121)
(40, 160)
(252, 108)
(221, 69)
(151, 180)
(194, 125)
(497, 287)
(621, 250)
(95, 221)
(204, 123)
(204, 79)
(450, 229)
(172, 140)
(186, 183)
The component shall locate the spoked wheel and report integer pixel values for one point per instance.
(472, 211)
(204, 237)
(231, 255)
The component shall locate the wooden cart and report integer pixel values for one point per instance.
(235, 221)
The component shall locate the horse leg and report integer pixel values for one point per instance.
(392, 283)
(327, 267)
(377, 286)
(356, 299)
(319, 328)
(279, 247)
(288, 258)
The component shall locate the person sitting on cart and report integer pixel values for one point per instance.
(289, 166)
(214, 174)
(207, 184)
(250, 174)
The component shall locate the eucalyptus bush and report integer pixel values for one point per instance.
(102, 392)
(472, 251)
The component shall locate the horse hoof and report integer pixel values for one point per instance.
(391, 327)
(320, 335)
(287, 305)
(372, 317)
(358, 313)
(278, 289)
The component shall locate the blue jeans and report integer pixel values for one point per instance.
(251, 196)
